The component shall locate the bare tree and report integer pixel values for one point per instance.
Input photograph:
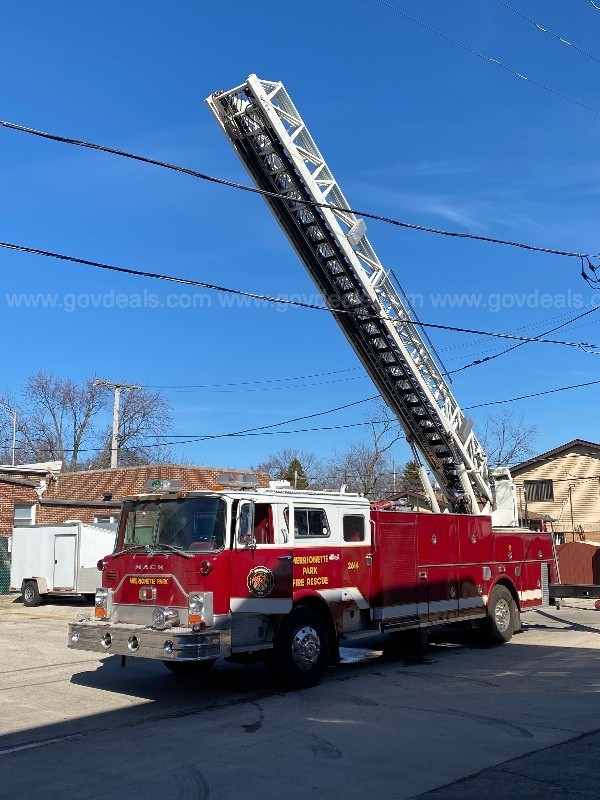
(507, 439)
(144, 418)
(277, 465)
(54, 417)
(366, 466)
(59, 419)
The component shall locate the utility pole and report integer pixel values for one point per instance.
(118, 388)
(13, 414)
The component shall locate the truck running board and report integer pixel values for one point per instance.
(560, 590)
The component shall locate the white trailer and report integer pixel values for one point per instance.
(58, 560)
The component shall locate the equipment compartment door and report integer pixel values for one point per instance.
(65, 547)
(261, 567)
(437, 559)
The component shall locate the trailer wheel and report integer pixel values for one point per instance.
(500, 621)
(31, 594)
(189, 669)
(301, 650)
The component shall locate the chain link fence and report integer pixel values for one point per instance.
(4, 565)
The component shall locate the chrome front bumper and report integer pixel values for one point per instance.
(172, 644)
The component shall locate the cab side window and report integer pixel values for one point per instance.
(263, 523)
(311, 522)
(353, 528)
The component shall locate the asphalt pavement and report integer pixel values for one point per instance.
(518, 721)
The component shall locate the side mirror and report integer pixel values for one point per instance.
(245, 526)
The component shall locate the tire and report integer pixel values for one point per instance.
(301, 650)
(31, 594)
(502, 613)
(189, 669)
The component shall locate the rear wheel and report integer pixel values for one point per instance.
(502, 613)
(189, 669)
(31, 594)
(302, 649)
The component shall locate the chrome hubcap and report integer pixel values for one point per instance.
(502, 615)
(28, 593)
(306, 647)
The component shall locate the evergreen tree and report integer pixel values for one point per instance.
(294, 473)
(410, 476)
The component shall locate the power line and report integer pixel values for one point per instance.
(528, 396)
(251, 383)
(475, 342)
(502, 352)
(264, 429)
(296, 200)
(491, 60)
(288, 387)
(302, 418)
(520, 344)
(243, 387)
(203, 438)
(268, 299)
(546, 30)
(368, 399)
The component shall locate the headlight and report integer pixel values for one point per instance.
(196, 603)
(100, 611)
(101, 597)
(195, 611)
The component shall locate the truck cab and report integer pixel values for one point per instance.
(201, 575)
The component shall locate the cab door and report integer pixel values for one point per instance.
(261, 560)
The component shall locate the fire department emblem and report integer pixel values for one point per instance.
(260, 581)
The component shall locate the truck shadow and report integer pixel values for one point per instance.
(234, 709)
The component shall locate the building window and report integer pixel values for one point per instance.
(24, 515)
(538, 491)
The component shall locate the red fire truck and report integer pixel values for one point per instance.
(287, 575)
(241, 572)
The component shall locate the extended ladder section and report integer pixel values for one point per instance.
(278, 151)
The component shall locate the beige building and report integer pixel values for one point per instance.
(562, 489)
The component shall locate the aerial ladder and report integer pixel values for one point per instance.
(278, 151)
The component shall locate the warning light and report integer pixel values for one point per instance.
(162, 486)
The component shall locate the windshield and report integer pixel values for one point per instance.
(196, 524)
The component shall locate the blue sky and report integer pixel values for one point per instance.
(411, 126)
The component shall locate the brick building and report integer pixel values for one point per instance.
(38, 494)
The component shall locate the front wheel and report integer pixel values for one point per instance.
(189, 669)
(302, 649)
(502, 613)
(31, 594)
